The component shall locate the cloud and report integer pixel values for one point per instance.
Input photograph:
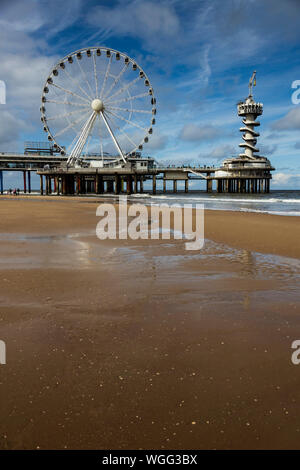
(10, 129)
(267, 149)
(21, 16)
(291, 121)
(31, 15)
(157, 141)
(284, 180)
(221, 152)
(195, 133)
(147, 20)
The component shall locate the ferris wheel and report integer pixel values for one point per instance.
(98, 100)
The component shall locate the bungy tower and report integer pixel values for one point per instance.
(249, 172)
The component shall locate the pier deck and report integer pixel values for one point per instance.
(56, 177)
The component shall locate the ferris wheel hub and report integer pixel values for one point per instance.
(97, 105)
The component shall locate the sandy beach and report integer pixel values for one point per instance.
(122, 344)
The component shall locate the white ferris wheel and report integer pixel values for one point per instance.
(98, 100)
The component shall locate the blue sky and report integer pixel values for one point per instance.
(199, 55)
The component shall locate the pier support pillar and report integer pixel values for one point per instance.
(219, 186)
(110, 186)
(164, 185)
(77, 181)
(154, 184)
(99, 184)
(135, 189)
(56, 179)
(141, 184)
(24, 180)
(82, 185)
(261, 186)
(41, 185)
(29, 181)
(174, 186)
(117, 184)
(1, 181)
(63, 185)
(186, 186)
(129, 184)
(208, 186)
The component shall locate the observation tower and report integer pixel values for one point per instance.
(249, 172)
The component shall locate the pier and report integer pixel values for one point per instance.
(57, 178)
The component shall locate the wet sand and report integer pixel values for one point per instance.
(123, 344)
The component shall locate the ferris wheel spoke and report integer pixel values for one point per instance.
(76, 152)
(59, 116)
(100, 136)
(116, 80)
(85, 77)
(72, 124)
(69, 103)
(70, 146)
(95, 74)
(124, 88)
(88, 142)
(123, 132)
(129, 110)
(129, 98)
(128, 122)
(69, 92)
(106, 76)
(113, 137)
(76, 83)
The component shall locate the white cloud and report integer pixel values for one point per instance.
(266, 149)
(291, 121)
(10, 128)
(221, 152)
(157, 141)
(285, 180)
(195, 133)
(148, 20)
(21, 16)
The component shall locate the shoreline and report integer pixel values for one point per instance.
(265, 233)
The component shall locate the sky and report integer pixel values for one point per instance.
(198, 54)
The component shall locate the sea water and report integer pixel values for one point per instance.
(282, 202)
